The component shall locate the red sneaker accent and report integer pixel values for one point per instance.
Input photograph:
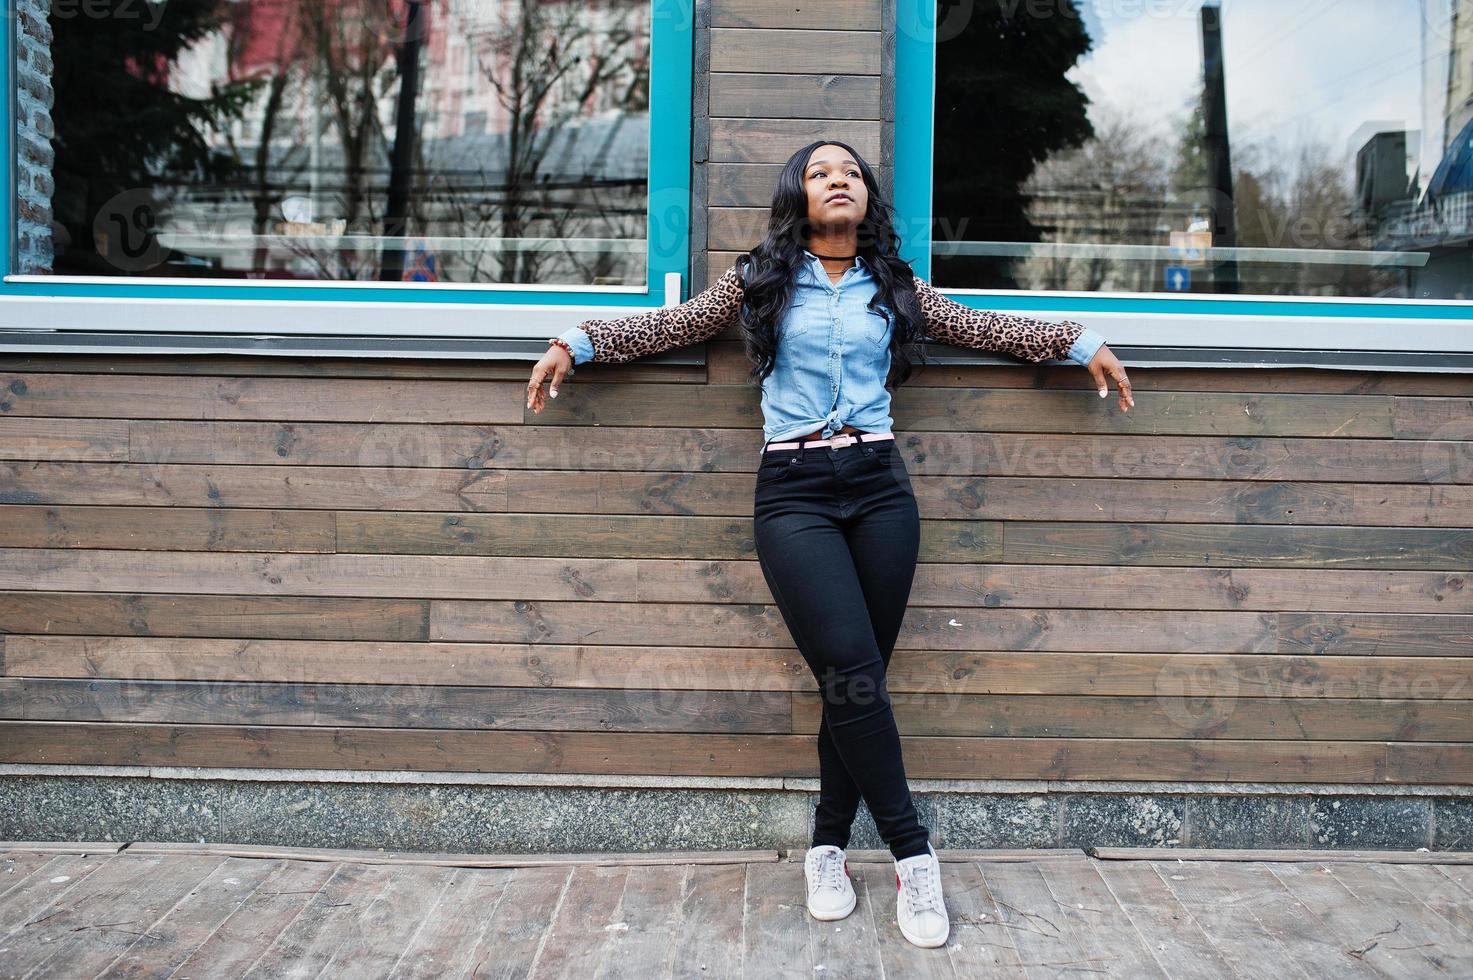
(846, 870)
(897, 881)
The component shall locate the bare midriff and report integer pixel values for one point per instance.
(819, 432)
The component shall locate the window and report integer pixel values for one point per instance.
(208, 166)
(1205, 183)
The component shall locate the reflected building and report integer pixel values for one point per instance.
(1433, 213)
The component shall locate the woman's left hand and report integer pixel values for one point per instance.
(1106, 365)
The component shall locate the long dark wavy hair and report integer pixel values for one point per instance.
(769, 271)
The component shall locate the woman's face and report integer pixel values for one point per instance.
(837, 196)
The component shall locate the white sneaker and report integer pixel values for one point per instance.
(919, 909)
(830, 892)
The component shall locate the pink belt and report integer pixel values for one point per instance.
(842, 439)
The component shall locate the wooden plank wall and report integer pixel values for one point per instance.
(274, 562)
(1254, 575)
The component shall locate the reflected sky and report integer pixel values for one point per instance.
(1326, 71)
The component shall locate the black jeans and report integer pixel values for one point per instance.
(837, 533)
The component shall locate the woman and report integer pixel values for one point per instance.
(826, 306)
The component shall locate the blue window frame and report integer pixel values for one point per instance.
(1346, 332)
(361, 317)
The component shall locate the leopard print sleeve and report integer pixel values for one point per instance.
(698, 318)
(1035, 340)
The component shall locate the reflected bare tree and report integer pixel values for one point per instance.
(545, 65)
(1111, 190)
(353, 60)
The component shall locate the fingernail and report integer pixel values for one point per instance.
(1102, 392)
(554, 392)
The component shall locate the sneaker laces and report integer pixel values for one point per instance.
(829, 870)
(919, 889)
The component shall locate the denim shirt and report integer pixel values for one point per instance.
(832, 354)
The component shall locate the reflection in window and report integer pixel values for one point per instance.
(277, 139)
(1256, 147)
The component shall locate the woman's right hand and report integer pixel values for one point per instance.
(556, 363)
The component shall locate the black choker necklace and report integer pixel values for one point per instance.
(833, 256)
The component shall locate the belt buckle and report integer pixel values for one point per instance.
(843, 439)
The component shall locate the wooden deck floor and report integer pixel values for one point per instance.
(169, 911)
